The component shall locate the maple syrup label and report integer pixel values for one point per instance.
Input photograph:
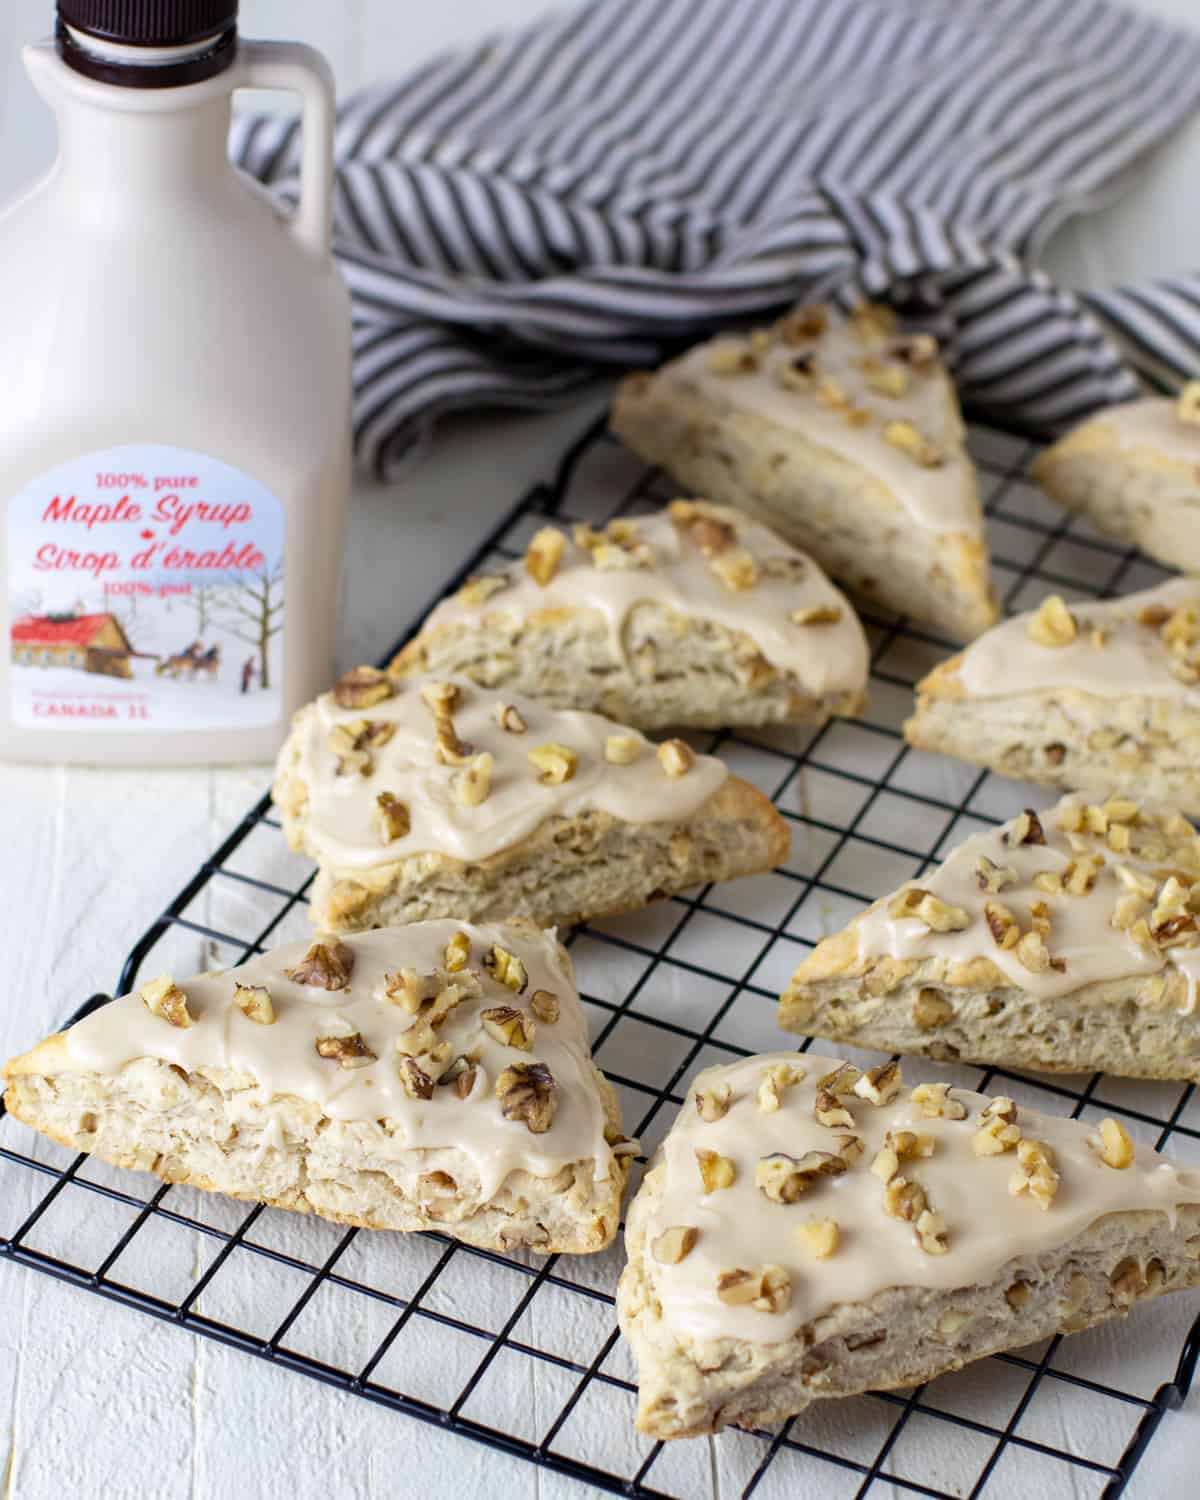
(145, 590)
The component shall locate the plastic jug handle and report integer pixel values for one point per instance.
(296, 69)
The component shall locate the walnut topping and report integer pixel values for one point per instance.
(936, 1102)
(1035, 1173)
(458, 953)
(506, 968)
(555, 763)
(544, 554)
(674, 1244)
(931, 1233)
(736, 569)
(1003, 926)
(936, 914)
(899, 1146)
(463, 1077)
(622, 749)
(527, 1092)
(1053, 624)
(473, 784)
(795, 374)
(828, 1111)
(610, 557)
(784, 1178)
(731, 359)
(850, 1148)
(511, 1027)
(885, 376)
(832, 393)
(393, 817)
(1026, 829)
(327, 965)
(841, 1080)
(1116, 1148)
(163, 997)
(803, 323)
(817, 614)
(921, 450)
(479, 590)
(712, 1102)
(349, 1051)
(1187, 404)
(254, 1002)
(716, 1171)
(440, 698)
(353, 743)
(415, 1081)
(776, 1079)
(418, 1040)
(362, 687)
(931, 1010)
(448, 748)
(998, 1130)
(1033, 954)
(544, 1005)
(819, 1237)
(993, 878)
(904, 1199)
(872, 322)
(768, 1290)
(509, 718)
(675, 757)
(880, 1085)
(919, 350)
(1080, 875)
(711, 535)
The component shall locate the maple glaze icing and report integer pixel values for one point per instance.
(942, 499)
(341, 826)
(823, 658)
(986, 1227)
(1082, 935)
(283, 1059)
(1152, 424)
(1133, 659)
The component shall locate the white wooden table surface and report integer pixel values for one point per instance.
(97, 1401)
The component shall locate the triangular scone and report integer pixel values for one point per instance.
(1134, 472)
(807, 1231)
(431, 1077)
(1065, 941)
(844, 436)
(1099, 694)
(433, 797)
(696, 617)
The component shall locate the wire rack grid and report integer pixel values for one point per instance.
(528, 1356)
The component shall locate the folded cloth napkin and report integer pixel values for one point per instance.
(619, 178)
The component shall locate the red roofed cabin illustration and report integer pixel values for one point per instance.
(94, 643)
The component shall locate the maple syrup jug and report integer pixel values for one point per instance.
(174, 402)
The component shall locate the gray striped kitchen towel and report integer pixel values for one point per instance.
(616, 179)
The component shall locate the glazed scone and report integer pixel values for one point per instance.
(1134, 472)
(694, 618)
(1101, 694)
(843, 436)
(1065, 941)
(434, 1077)
(808, 1231)
(434, 797)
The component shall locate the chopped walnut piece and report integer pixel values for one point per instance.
(832, 393)
(795, 374)
(716, 1171)
(784, 1178)
(1080, 875)
(458, 953)
(509, 718)
(912, 901)
(163, 997)
(1116, 1148)
(544, 1005)
(393, 817)
(993, 878)
(506, 968)
(931, 1010)
(555, 763)
(1003, 926)
(936, 1101)
(817, 614)
(931, 1233)
(348, 1051)
(527, 1092)
(1053, 624)
(675, 757)
(830, 1112)
(880, 1085)
(872, 322)
(712, 1102)
(611, 558)
(850, 1148)
(418, 1040)
(1187, 404)
(544, 554)
(803, 323)
(886, 377)
(776, 1079)
(254, 1002)
(327, 965)
(1033, 954)
(462, 1075)
(415, 1081)
(1035, 1173)
(841, 1080)
(510, 1027)
(711, 535)
(736, 569)
(622, 749)
(353, 743)
(479, 590)
(448, 748)
(731, 359)
(1026, 829)
(903, 435)
(819, 1237)
(362, 687)
(904, 1199)
(998, 1130)
(473, 784)
(768, 1290)
(674, 1244)
(440, 698)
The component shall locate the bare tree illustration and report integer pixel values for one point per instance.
(202, 597)
(251, 609)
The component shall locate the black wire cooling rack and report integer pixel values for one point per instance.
(528, 1358)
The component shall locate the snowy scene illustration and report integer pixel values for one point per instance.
(146, 588)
